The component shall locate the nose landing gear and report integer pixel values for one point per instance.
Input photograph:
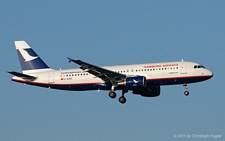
(185, 90)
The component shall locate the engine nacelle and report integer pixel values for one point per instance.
(151, 91)
(134, 83)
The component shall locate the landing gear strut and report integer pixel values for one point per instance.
(185, 90)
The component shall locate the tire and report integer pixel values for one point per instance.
(112, 94)
(122, 99)
(186, 93)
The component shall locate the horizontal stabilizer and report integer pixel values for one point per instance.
(23, 76)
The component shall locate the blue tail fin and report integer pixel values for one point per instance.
(29, 60)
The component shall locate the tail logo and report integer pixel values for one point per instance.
(27, 57)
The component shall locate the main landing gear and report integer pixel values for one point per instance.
(185, 90)
(122, 99)
(112, 94)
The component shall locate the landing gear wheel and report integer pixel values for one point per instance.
(112, 94)
(122, 99)
(186, 93)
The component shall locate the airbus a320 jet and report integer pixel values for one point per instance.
(141, 79)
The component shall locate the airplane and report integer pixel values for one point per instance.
(142, 79)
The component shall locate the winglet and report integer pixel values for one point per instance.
(70, 60)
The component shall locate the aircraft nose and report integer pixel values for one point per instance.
(209, 73)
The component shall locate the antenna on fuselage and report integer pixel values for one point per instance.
(182, 60)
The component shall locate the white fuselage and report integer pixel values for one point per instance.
(167, 73)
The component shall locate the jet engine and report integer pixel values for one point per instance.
(134, 83)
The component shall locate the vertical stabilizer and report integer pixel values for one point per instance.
(29, 60)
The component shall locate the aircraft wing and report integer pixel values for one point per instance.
(23, 76)
(105, 74)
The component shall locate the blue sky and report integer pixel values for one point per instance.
(113, 33)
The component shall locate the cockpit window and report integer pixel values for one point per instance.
(198, 66)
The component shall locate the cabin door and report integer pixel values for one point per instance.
(183, 68)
